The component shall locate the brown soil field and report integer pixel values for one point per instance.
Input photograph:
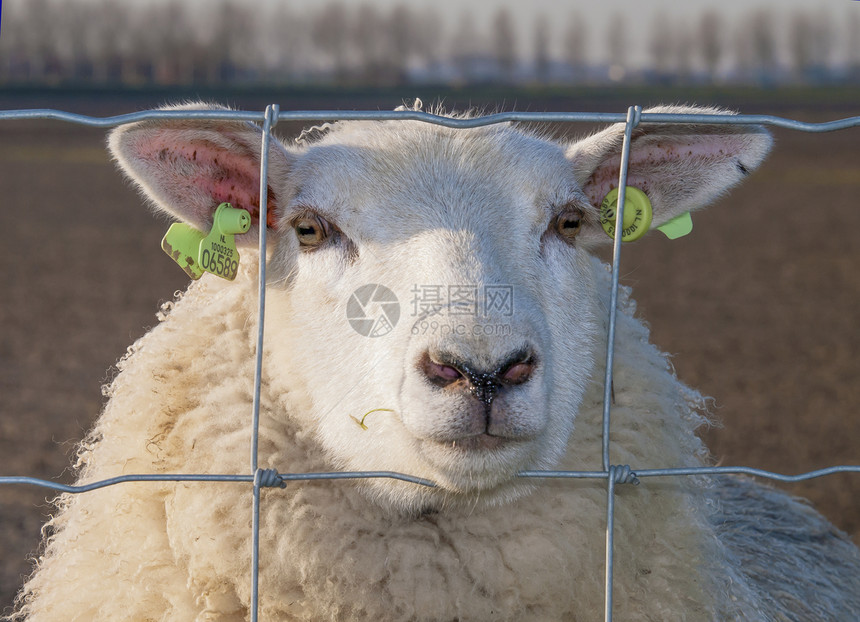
(756, 305)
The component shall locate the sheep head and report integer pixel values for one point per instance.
(438, 279)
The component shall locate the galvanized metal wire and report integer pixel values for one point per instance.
(259, 478)
(417, 115)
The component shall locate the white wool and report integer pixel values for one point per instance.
(415, 204)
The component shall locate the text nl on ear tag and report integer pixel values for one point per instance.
(215, 252)
(637, 214)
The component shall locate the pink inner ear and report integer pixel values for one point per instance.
(203, 169)
(658, 158)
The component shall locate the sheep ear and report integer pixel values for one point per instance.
(680, 167)
(187, 167)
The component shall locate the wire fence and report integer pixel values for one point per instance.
(613, 474)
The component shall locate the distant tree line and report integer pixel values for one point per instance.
(174, 42)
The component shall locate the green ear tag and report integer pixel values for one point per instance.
(218, 253)
(182, 243)
(678, 227)
(196, 252)
(637, 214)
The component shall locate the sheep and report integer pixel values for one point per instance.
(489, 366)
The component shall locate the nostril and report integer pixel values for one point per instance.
(519, 372)
(444, 370)
(438, 373)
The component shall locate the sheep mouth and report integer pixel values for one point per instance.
(479, 442)
(480, 445)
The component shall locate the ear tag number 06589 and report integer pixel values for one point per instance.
(197, 252)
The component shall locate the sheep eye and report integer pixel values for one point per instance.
(568, 224)
(311, 231)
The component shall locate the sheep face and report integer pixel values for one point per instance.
(432, 308)
(472, 290)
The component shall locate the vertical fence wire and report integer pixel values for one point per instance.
(265, 478)
(271, 118)
(608, 552)
(634, 113)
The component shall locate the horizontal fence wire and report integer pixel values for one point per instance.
(333, 475)
(416, 115)
(259, 478)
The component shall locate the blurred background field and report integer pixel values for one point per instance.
(756, 305)
(139, 43)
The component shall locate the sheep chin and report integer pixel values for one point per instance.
(479, 463)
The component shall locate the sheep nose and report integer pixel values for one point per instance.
(445, 370)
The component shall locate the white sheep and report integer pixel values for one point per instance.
(493, 367)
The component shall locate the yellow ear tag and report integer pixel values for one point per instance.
(215, 252)
(637, 214)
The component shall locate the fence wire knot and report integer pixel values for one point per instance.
(623, 474)
(635, 116)
(269, 478)
(271, 114)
